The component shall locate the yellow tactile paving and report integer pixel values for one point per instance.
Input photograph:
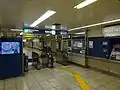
(78, 78)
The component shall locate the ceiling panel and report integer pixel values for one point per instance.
(10, 12)
(14, 12)
(63, 8)
(103, 10)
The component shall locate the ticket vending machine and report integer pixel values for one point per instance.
(11, 61)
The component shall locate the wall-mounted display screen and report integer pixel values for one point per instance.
(9, 48)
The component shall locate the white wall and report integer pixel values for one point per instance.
(95, 32)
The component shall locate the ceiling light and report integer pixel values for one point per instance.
(21, 33)
(48, 35)
(85, 3)
(45, 16)
(19, 30)
(80, 33)
(24, 40)
(97, 24)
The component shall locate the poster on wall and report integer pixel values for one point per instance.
(115, 53)
(108, 48)
(90, 44)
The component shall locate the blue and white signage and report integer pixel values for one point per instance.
(50, 32)
(45, 31)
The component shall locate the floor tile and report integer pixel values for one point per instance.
(56, 79)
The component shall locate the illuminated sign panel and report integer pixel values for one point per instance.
(44, 31)
(50, 32)
(111, 31)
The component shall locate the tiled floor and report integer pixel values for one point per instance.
(98, 80)
(56, 79)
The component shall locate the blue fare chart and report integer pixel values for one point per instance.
(10, 48)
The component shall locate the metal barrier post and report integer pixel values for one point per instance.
(86, 48)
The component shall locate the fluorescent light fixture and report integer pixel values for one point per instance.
(48, 35)
(80, 33)
(53, 27)
(19, 30)
(24, 40)
(21, 33)
(45, 16)
(85, 3)
(97, 24)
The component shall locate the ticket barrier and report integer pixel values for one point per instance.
(65, 55)
(25, 63)
(47, 60)
(36, 61)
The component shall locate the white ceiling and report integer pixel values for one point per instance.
(14, 12)
(10, 12)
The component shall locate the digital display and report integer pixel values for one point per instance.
(10, 48)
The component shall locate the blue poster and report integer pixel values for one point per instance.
(10, 47)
